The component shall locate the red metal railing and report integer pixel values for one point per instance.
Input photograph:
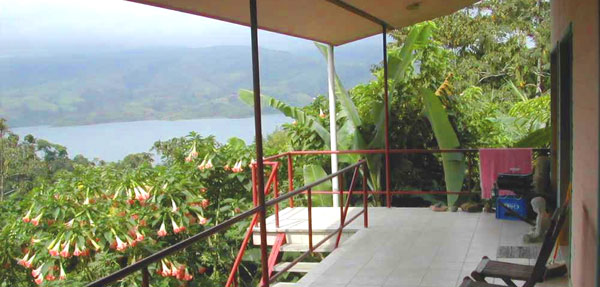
(271, 160)
(387, 192)
(307, 190)
(272, 179)
(343, 214)
(142, 264)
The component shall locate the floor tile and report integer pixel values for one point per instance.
(414, 247)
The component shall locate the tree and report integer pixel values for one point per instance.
(29, 162)
(136, 160)
(498, 40)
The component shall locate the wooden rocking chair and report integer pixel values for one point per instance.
(509, 271)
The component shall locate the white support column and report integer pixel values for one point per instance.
(332, 123)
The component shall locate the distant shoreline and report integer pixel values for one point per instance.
(113, 141)
(140, 120)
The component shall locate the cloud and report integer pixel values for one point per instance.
(52, 24)
(49, 26)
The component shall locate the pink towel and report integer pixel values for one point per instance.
(501, 160)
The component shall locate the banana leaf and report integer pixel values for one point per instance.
(347, 140)
(312, 173)
(453, 163)
(247, 97)
(516, 91)
(348, 135)
(349, 110)
(375, 161)
(537, 138)
(398, 63)
(378, 141)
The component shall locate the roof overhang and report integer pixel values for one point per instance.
(334, 22)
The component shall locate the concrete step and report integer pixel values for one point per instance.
(284, 284)
(300, 267)
(301, 237)
(303, 247)
(294, 223)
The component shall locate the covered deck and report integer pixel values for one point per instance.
(402, 246)
(407, 247)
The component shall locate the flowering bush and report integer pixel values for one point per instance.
(95, 220)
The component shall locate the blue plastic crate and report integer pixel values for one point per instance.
(517, 204)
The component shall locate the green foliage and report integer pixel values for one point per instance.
(498, 53)
(352, 133)
(532, 114)
(479, 119)
(348, 109)
(29, 162)
(402, 59)
(499, 40)
(109, 216)
(312, 173)
(539, 138)
(136, 160)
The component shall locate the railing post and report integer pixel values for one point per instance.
(341, 200)
(238, 258)
(276, 192)
(347, 205)
(254, 199)
(290, 177)
(310, 235)
(365, 197)
(145, 277)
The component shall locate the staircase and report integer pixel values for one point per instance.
(300, 267)
(292, 236)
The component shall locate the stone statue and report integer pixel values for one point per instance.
(542, 221)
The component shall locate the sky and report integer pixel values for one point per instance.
(53, 26)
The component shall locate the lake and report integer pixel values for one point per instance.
(113, 141)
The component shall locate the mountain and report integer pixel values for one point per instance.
(160, 83)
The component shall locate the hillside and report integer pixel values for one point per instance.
(161, 83)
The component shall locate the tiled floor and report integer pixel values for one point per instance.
(413, 247)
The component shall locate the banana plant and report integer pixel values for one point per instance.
(453, 163)
(297, 114)
(399, 60)
(348, 134)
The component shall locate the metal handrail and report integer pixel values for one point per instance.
(272, 181)
(382, 151)
(155, 257)
(387, 192)
(343, 222)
